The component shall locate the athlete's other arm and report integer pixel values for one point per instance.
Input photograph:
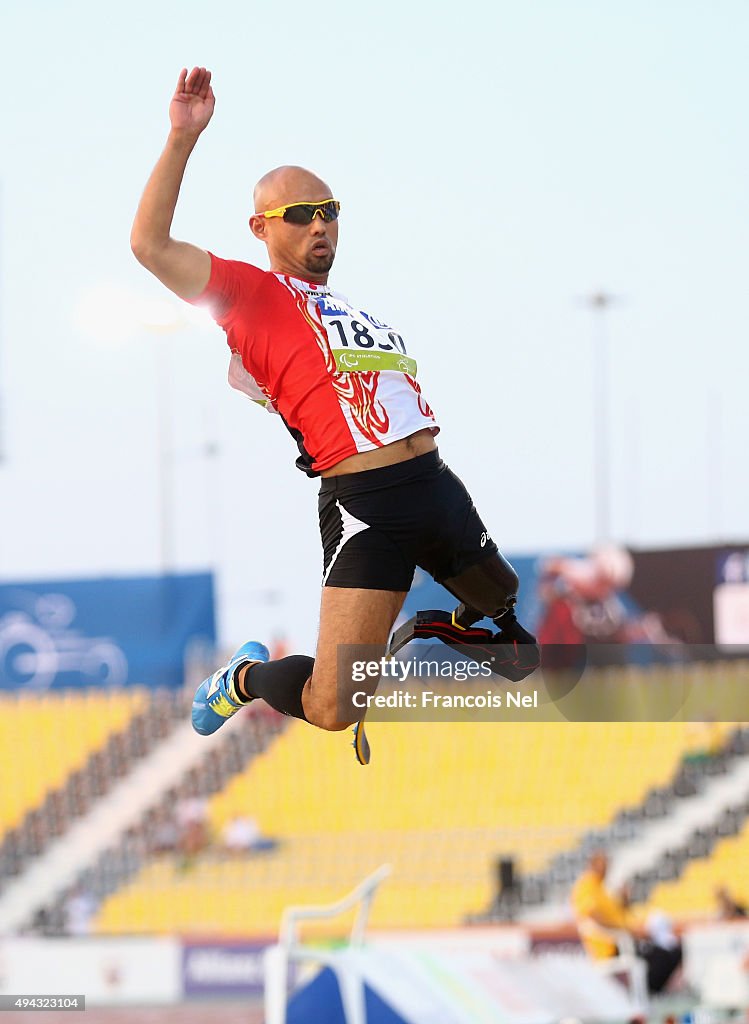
(183, 268)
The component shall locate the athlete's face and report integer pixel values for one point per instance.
(300, 250)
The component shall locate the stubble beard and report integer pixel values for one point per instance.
(319, 264)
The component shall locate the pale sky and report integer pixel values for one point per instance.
(495, 163)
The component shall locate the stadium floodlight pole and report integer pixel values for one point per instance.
(159, 324)
(165, 482)
(714, 475)
(105, 308)
(599, 302)
(2, 403)
(161, 319)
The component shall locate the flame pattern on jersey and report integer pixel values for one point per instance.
(357, 390)
(424, 407)
(360, 391)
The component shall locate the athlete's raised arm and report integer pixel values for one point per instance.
(183, 268)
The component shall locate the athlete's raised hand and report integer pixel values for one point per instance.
(192, 104)
(182, 267)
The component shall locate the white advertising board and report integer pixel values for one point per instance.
(107, 971)
(716, 963)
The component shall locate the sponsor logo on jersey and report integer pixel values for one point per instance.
(374, 321)
(328, 307)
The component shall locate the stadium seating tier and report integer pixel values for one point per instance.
(440, 801)
(67, 727)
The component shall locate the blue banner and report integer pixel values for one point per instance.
(221, 969)
(103, 632)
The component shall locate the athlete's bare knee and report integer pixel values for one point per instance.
(328, 720)
(322, 708)
(324, 712)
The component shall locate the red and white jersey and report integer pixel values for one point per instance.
(341, 379)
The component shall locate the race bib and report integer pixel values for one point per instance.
(360, 342)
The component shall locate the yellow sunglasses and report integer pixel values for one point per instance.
(305, 213)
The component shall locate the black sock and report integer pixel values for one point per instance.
(280, 683)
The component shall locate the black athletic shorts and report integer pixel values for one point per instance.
(378, 525)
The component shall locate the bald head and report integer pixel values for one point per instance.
(599, 863)
(302, 250)
(289, 184)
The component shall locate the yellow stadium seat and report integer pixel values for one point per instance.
(693, 894)
(45, 737)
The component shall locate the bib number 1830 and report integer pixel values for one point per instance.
(359, 334)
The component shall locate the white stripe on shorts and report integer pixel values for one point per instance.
(351, 526)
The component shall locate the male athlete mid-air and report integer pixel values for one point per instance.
(344, 384)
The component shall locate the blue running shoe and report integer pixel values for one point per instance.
(212, 704)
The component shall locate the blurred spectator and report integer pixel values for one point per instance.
(42, 923)
(601, 913)
(243, 835)
(660, 949)
(729, 909)
(598, 911)
(161, 831)
(80, 908)
(194, 836)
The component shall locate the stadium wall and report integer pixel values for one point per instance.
(168, 970)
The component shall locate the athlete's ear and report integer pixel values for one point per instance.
(258, 226)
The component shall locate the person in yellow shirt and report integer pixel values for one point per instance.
(600, 913)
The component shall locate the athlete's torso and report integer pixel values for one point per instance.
(342, 379)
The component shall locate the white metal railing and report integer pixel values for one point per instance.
(290, 950)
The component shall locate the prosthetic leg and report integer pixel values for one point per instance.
(487, 589)
(511, 651)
